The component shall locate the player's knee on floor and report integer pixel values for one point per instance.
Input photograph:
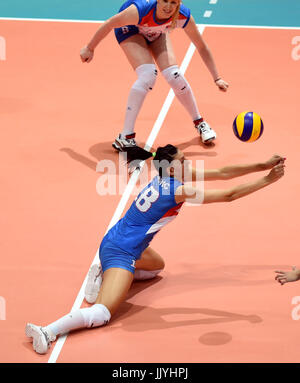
(176, 79)
(147, 74)
(96, 315)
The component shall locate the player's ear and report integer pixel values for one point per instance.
(171, 171)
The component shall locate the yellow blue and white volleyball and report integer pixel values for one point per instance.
(248, 126)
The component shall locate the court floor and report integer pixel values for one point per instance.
(217, 300)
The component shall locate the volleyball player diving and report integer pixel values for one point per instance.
(142, 30)
(124, 252)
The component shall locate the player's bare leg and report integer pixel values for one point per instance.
(114, 288)
(163, 53)
(116, 283)
(138, 55)
(149, 265)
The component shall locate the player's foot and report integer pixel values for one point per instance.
(40, 337)
(93, 284)
(207, 134)
(126, 142)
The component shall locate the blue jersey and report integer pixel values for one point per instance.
(148, 26)
(153, 208)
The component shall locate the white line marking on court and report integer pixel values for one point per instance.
(249, 26)
(102, 21)
(213, 1)
(128, 190)
(207, 13)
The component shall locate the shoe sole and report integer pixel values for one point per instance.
(32, 332)
(91, 296)
(116, 147)
(209, 141)
(119, 148)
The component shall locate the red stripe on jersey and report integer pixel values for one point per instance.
(149, 20)
(173, 211)
(182, 17)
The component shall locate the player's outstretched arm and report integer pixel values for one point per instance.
(288, 276)
(233, 171)
(193, 33)
(190, 194)
(129, 16)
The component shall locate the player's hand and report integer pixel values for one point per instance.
(223, 85)
(283, 277)
(274, 160)
(86, 55)
(276, 173)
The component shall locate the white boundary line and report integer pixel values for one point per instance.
(102, 21)
(248, 26)
(127, 192)
(51, 20)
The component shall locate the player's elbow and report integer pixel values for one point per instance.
(115, 21)
(203, 49)
(223, 174)
(112, 23)
(229, 196)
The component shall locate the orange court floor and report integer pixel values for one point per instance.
(216, 300)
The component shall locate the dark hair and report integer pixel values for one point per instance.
(164, 155)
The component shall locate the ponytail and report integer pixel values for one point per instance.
(175, 16)
(136, 155)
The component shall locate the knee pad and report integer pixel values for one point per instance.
(147, 74)
(140, 274)
(96, 315)
(176, 79)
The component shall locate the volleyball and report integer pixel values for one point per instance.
(248, 126)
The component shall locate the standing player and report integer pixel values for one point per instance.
(125, 253)
(141, 28)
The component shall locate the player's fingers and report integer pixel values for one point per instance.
(278, 276)
(279, 166)
(281, 279)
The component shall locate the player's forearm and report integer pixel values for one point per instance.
(233, 171)
(101, 33)
(209, 61)
(245, 189)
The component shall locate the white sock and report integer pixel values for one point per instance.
(147, 74)
(182, 90)
(145, 274)
(96, 315)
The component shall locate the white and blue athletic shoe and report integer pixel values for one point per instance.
(207, 134)
(40, 337)
(127, 142)
(93, 283)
